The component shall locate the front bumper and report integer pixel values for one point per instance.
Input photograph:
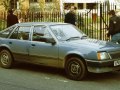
(102, 66)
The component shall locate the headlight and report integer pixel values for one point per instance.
(103, 55)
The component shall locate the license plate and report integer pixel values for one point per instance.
(116, 63)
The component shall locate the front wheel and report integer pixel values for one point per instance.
(75, 68)
(6, 59)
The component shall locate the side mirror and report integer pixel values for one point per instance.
(50, 40)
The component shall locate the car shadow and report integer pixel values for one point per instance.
(103, 76)
(61, 73)
(39, 69)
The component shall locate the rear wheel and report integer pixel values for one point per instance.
(75, 68)
(6, 59)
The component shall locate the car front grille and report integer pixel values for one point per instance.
(115, 55)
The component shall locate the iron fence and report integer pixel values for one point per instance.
(93, 22)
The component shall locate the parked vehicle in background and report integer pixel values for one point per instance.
(58, 45)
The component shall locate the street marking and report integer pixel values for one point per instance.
(63, 80)
(47, 78)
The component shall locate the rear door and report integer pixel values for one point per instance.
(19, 41)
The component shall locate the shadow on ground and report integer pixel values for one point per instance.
(39, 69)
(60, 72)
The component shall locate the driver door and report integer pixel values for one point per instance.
(40, 51)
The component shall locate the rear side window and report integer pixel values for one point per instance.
(6, 32)
(21, 33)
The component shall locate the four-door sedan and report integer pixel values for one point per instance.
(57, 45)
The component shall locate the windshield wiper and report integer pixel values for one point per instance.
(72, 38)
(84, 36)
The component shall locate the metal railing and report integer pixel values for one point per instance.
(93, 22)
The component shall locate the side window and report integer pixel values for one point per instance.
(21, 33)
(14, 34)
(40, 33)
(6, 32)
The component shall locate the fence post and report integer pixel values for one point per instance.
(100, 21)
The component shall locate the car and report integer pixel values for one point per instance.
(59, 45)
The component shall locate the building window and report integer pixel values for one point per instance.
(33, 0)
(48, 0)
(13, 4)
(91, 5)
(68, 5)
(80, 5)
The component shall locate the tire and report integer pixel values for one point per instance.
(6, 59)
(75, 68)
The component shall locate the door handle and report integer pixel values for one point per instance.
(33, 44)
(10, 42)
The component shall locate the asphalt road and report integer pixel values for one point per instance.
(32, 77)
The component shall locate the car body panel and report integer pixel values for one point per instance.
(18, 48)
(40, 52)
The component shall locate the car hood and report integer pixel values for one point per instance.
(96, 44)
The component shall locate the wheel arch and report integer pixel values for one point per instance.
(74, 55)
(6, 48)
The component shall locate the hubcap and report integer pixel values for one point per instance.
(75, 68)
(4, 59)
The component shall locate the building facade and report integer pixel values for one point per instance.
(49, 5)
(31, 5)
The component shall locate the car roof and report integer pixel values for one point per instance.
(39, 23)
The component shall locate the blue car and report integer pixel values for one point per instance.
(59, 45)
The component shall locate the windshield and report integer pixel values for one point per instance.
(66, 32)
